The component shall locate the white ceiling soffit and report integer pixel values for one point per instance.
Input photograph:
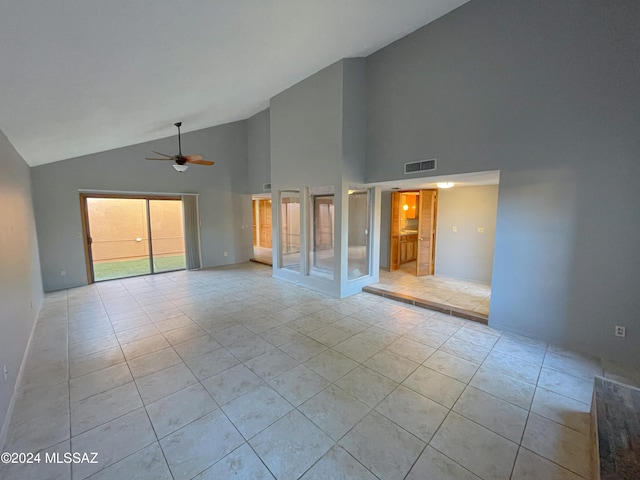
(459, 180)
(83, 76)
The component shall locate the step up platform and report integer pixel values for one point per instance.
(615, 411)
(429, 305)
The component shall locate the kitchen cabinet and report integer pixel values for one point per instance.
(408, 247)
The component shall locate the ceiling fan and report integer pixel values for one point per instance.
(182, 160)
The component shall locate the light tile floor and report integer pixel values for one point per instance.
(474, 296)
(263, 255)
(228, 371)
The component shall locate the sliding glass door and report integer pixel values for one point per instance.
(127, 237)
(167, 235)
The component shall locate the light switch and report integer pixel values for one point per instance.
(454, 229)
(480, 229)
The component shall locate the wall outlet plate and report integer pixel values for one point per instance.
(620, 331)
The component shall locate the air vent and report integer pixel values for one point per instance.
(266, 187)
(421, 166)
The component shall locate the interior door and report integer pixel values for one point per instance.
(255, 222)
(426, 232)
(394, 241)
(264, 210)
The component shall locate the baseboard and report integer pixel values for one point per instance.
(14, 396)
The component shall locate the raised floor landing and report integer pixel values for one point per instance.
(617, 420)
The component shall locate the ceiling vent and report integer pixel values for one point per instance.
(421, 166)
(266, 187)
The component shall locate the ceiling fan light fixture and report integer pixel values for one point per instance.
(445, 184)
(181, 160)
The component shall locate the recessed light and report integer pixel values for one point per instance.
(445, 184)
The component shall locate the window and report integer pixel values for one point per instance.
(358, 234)
(290, 230)
(321, 232)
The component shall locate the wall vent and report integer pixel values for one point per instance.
(421, 166)
(266, 187)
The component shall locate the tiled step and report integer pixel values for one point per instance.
(438, 307)
(261, 261)
(615, 410)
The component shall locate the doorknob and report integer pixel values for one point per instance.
(420, 239)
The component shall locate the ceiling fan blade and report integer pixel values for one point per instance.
(163, 154)
(170, 159)
(199, 162)
(197, 156)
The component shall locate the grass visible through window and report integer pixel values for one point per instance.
(130, 268)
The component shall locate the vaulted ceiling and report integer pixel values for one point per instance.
(78, 77)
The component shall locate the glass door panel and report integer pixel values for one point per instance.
(167, 235)
(119, 237)
(321, 251)
(290, 230)
(358, 235)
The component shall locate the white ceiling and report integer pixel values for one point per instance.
(83, 76)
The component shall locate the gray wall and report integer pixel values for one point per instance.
(225, 208)
(306, 151)
(466, 254)
(354, 119)
(385, 229)
(306, 132)
(318, 135)
(545, 92)
(20, 282)
(259, 151)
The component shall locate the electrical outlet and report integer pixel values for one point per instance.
(225, 254)
(480, 229)
(63, 273)
(454, 229)
(621, 331)
(5, 372)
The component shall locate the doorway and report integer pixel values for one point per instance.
(413, 231)
(465, 226)
(262, 230)
(127, 236)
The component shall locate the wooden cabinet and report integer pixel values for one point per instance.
(412, 248)
(403, 249)
(408, 248)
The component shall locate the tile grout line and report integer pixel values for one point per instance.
(369, 325)
(157, 440)
(71, 474)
